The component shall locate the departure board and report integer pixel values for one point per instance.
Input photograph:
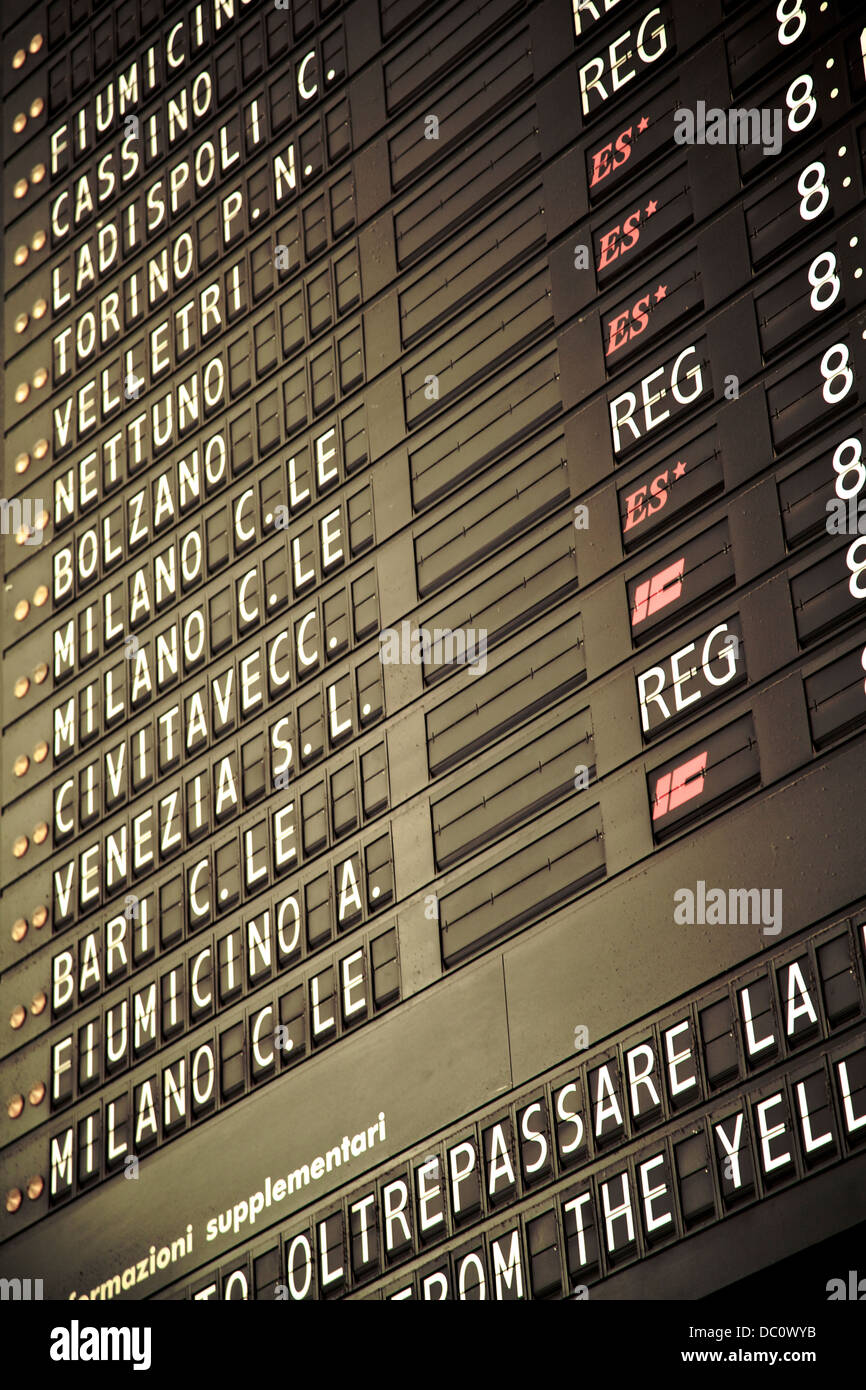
(434, 646)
